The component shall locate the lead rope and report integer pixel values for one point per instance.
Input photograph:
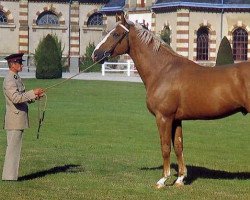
(47, 88)
(106, 55)
(41, 111)
(41, 114)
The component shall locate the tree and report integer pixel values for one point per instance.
(225, 54)
(87, 60)
(48, 58)
(165, 34)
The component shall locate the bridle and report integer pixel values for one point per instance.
(108, 53)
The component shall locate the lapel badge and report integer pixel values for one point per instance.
(15, 76)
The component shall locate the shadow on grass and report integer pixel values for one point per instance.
(194, 172)
(54, 170)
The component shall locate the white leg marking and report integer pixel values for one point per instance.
(161, 182)
(179, 181)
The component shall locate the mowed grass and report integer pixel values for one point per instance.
(98, 141)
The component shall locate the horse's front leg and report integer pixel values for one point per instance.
(165, 129)
(178, 147)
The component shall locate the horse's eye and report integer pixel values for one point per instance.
(116, 35)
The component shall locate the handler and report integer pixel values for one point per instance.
(16, 116)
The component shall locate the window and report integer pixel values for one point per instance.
(3, 18)
(240, 40)
(202, 44)
(142, 3)
(95, 20)
(47, 18)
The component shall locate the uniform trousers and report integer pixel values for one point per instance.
(12, 156)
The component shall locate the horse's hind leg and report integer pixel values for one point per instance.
(178, 147)
(165, 128)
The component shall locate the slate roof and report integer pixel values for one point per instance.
(93, 1)
(113, 6)
(231, 5)
(207, 1)
(67, 1)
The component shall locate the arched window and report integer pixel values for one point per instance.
(95, 20)
(3, 18)
(240, 40)
(202, 44)
(47, 18)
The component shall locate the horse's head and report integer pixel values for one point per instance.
(115, 42)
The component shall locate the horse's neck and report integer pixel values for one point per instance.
(148, 62)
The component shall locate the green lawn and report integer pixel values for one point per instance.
(100, 142)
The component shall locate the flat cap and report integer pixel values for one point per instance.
(17, 57)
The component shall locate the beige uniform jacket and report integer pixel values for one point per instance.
(16, 116)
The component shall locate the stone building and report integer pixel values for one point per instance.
(23, 23)
(195, 27)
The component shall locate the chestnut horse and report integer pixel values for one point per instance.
(176, 88)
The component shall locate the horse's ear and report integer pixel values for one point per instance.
(117, 18)
(126, 15)
(123, 18)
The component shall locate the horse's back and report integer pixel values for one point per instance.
(195, 92)
(215, 92)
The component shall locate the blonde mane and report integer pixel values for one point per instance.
(146, 37)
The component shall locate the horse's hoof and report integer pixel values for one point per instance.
(159, 186)
(179, 184)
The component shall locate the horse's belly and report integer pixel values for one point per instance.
(204, 116)
(207, 110)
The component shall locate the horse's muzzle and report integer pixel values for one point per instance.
(99, 56)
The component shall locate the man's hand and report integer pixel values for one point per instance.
(39, 92)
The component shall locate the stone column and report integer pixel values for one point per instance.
(74, 35)
(23, 29)
(182, 32)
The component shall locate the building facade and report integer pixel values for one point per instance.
(196, 27)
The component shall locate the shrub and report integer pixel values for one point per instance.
(87, 60)
(48, 58)
(225, 54)
(165, 35)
